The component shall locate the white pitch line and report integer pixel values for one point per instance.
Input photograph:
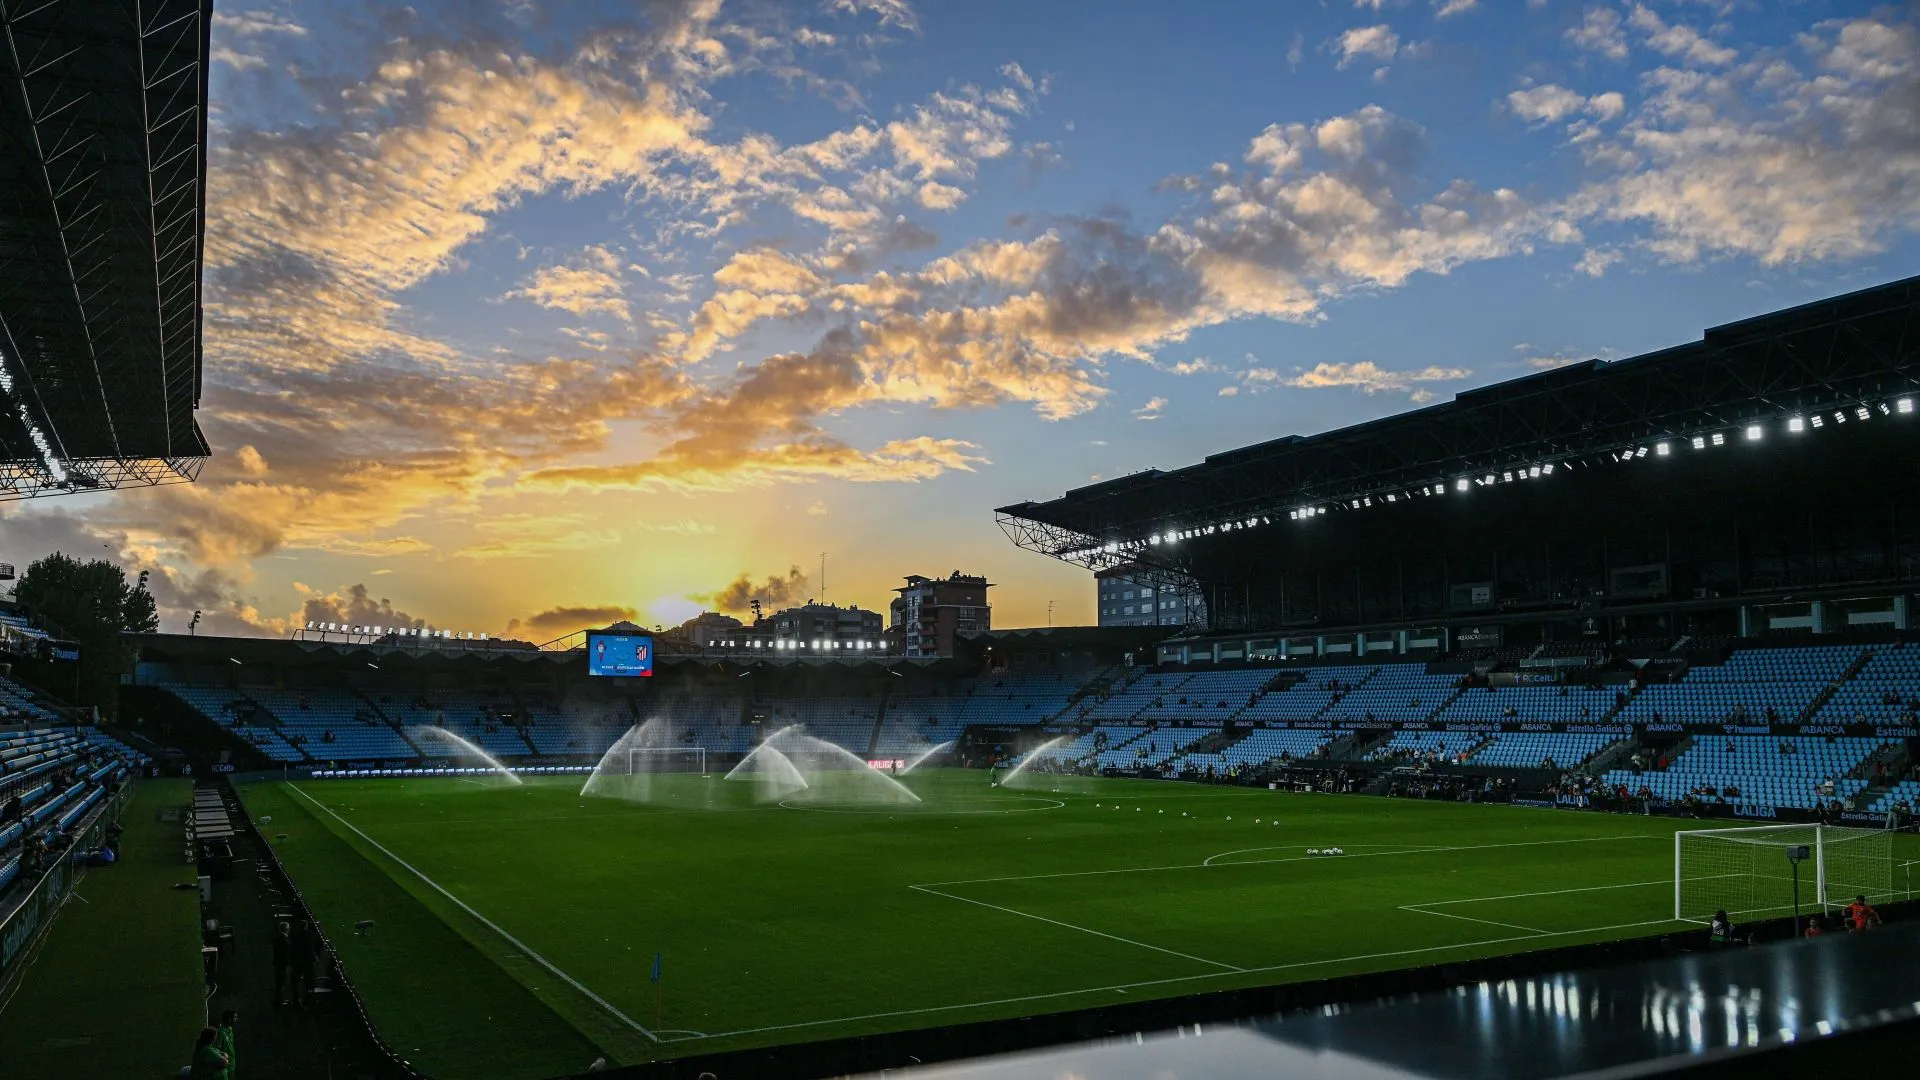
(1469, 918)
(1298, 858)
(1668, 882)
(488, 923)
(1117, 987)
(1070, 926)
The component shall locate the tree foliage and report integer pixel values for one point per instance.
(92, 604)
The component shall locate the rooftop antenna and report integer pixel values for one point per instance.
(823, 577)
(1049, 613)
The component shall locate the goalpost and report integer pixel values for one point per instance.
(1747, 873)
(660, 759)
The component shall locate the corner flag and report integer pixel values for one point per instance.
(656, 967)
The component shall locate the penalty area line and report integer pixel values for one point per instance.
(1121, 987)
(1085, 930)
(483, 920)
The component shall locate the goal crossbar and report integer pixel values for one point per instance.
(1747, 871)
(696, 754)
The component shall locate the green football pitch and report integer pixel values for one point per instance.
(515, 927)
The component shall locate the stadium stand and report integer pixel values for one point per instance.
(1427, 746)
(1541, 749)
(1396, 692)
(1305, 694)
(1550, 704)
(1753, 684)
(334, 725)
(1797, 771)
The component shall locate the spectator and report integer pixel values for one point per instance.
(224, 1040)
(208, 1062)
(1815, 928)
(282, 963)
(303, 949)
(1720, 932)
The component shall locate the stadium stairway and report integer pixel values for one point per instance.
(1833, 689)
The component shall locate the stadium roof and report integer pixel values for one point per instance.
(103, 122)
(1852, 351)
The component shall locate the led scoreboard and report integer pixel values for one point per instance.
(619, 654)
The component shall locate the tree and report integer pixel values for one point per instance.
(91, 604)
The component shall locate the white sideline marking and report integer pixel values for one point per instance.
(1176, 979)
(1298, 858)
(488, 923)
(1070, 926)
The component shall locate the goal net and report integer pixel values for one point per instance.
(1747, 873)
(666, 759)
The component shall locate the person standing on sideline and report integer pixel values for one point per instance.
(208, 1062)
(223, 1039)
(282, 962)
(1860, 914)
(304, 948)
(1720, 932)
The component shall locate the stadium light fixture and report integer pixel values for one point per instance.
(1662, 449)
(1817, 421)
(1796, 424)
(1699, 442)
(1755, 432)
(1460, 484)
(1863, 413)
(1839, 416)
(1904, 405)
(1885, 409)
(1719, 438)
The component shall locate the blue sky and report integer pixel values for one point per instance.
(522, 317)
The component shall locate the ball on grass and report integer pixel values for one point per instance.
(1229, 817)
(1313, 851)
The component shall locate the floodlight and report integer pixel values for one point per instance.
(1719, 438)
(1885, 409)
(1506, 478)
(1547, 469)
(1840, 416)
(1460, 484)
(1662, 449)
(1905, 404)
(1796, 425)
(1818, 422)
(1699, 442)
(1862, 413)
(1754, 432)
(1642, 453)
(1534, 472)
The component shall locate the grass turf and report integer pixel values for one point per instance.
(117, 989)
(779, 924)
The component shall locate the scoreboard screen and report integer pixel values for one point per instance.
(619, 654)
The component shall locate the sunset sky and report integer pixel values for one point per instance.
(526, 316)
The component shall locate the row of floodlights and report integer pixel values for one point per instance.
(398, 631)
(1795, 425)
(794, 643)
(1752, 432)
(1177, 535)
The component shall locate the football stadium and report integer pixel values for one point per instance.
(1562, 726)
